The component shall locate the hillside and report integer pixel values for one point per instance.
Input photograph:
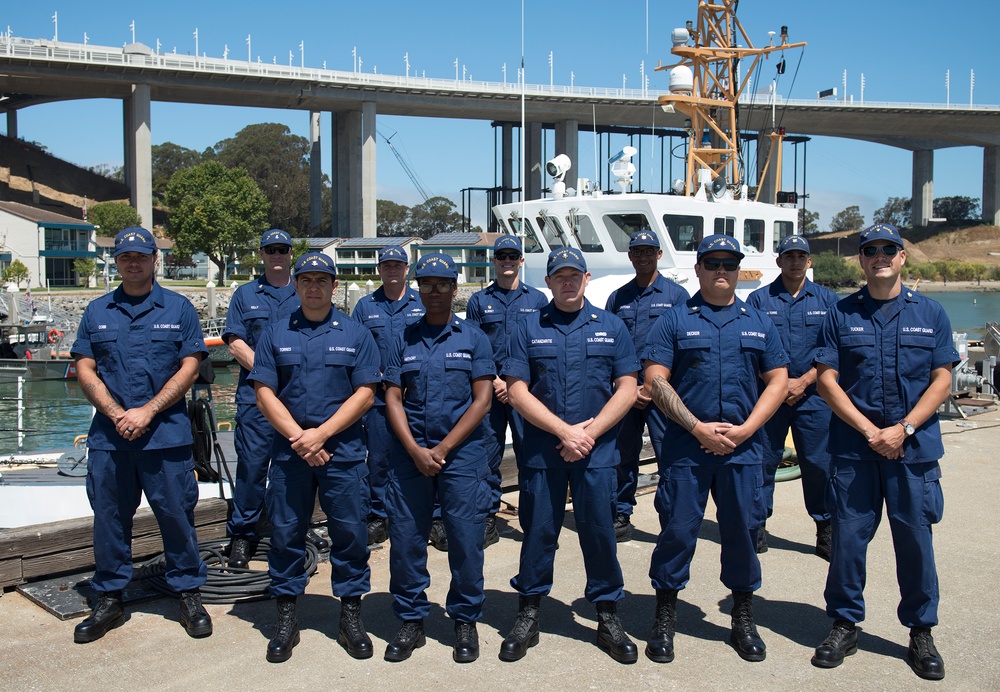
(975, 244)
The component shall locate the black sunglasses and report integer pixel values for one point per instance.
(504, 256)
(277, 249)
(887, 250)
(713, 263)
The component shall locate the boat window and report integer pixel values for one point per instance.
(551, 231)
(586, 235)
(530, 240)
(725, 225)
(622, 226)
(685, 232)
(782, 229)
(753, 235)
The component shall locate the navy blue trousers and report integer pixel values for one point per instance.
(630, 447)
(681, 499)
(253, 439)
(115, 484)
(462, 491)
(541, 510)
(500, 417)
(913, 502)
(291, 498)
(810, 433)
(379, 440)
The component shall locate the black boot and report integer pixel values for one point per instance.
(438, 536)
(240, 552)
(824, 536)
(842, 641)
(660, 645)
(623, 528)
(410, 637)
(761, 539)
(744, 637)
(352, 635)
(611, 635)
(525, 632)
(378, 530)
(466, 642)
(194, 618)
(924, 656)
(107, 614)
(492, 533)
(286, 635)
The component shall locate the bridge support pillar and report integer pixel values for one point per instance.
(991, 185)
(568, 142)
(315, 174)
(531, 187)
(347, 174)
(12, 124)
(369, 218)
(922, 205)
(507, 162)
(138, 152)
(767, 181)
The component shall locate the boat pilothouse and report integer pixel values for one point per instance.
(713, 198)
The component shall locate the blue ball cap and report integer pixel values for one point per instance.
(316, 262)
(793, 242)
(393, 253)
(880, 231)
(134, 239)
(565, 257)
(720, 243)
(643, 238)
(507, 242)
(438, 265)
(275, 237)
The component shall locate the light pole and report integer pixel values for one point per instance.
(130, 26)
(55, 23)
(354, 54)
(302, 52)
(456, 70)
(550, 70)
(504, 69)
(406, 61)
(196, 45)
(249, 51)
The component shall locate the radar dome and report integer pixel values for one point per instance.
(681, 80)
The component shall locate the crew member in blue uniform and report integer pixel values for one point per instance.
(255, 306)
(138, 350)
(571, 373)
(798, 307)
(884, 358)
(386, 313)
(496, 310)
(639, 303)
(703, 360)
(439, 384)
(315, 374)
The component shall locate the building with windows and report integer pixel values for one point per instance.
(45, 242)
(471, 251)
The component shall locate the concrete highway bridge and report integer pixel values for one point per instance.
(34, 71)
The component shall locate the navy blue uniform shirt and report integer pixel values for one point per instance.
(314, 367)
(884, 361)
(138, 348)
(386, 319)
(496, 311)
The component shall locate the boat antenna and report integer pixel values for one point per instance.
(597, 167)
(524, 134)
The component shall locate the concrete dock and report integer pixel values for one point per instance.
(151, 651)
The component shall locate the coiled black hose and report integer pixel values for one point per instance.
(225, 584)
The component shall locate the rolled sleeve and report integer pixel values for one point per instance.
(827, 352)
(626, 361)
(660, 344)
(394, 359)
(517, 354)
(944, 347)
(774, 353)
(82, 346)
(482, 357)
(367, 365)
(194, 339)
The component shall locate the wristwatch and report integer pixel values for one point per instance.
(907, 427)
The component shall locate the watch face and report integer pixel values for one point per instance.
(909, 429)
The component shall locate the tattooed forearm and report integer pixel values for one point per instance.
(172, 392)
(98, 395)
(666, 398)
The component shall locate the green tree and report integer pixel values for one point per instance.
(849, 219)
(391, 219)
(831, 270)
(278, 162)
(15, 273)
(436, 215)
(168, 158)
(896, 212)
(299, 248)
(808, 221)
(957, 209)
(216, 210)
(116, 173)
(85, 267)
(111, 217)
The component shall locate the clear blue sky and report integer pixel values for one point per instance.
(903, 47)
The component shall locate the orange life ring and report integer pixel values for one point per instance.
(54, 335)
